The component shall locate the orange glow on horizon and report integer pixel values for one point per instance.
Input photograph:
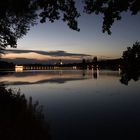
(33, 55)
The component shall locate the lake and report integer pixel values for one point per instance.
(82, 105)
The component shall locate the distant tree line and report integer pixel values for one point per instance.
(131, 57)
(6, 65)
(112, 64)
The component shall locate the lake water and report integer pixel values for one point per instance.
(83, 105)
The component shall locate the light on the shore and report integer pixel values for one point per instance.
(18, 68)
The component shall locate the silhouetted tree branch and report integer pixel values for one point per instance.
(17, 16)
(111, 10)
(15, 20)
(59, 9)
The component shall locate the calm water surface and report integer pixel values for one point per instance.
(83, 105)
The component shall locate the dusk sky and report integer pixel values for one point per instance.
(90, 40)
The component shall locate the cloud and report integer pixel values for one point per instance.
(42, 57)
(50, 53)
(36, 61)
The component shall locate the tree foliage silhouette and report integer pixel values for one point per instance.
(17, 16)
(131, 64)
(132, 55)
(15, 20)
(111, 10)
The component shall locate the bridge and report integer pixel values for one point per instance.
(20, 68)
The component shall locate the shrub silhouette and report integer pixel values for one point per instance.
(20, 119)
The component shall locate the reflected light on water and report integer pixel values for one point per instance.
(58, 76)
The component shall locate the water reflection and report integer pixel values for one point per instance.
(20, 119)
(60, 76)
(63, 76)
(85, 105)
